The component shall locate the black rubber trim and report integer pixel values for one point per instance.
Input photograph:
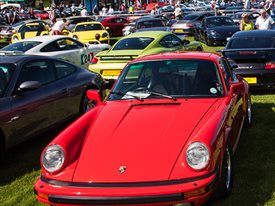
(121, 185)
(115, 200)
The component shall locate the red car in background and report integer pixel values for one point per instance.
(41, 14)
(165, 135)
(113, 24)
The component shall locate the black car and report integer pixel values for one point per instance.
(252, 15)
(142, 23)
(215, 30)
(78, 19)
(254, 53)
(186, 25)
(38, 92)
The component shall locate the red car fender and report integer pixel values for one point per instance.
(72, 138)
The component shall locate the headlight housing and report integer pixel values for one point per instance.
(213, 32)
(53, 158)
(197, 156)
(75, 37)
(104, 35)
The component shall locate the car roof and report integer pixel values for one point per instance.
(152, 34)
(15, 59)
(45, 38)
(88, 22)
(180, 55)
(147, 19)
(253, 33)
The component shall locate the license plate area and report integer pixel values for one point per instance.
(251, 80)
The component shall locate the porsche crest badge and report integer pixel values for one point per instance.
(122, 169)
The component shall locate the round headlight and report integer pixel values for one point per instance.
(213, 32)
(75, 37)
(53, 158)
(197, 155)
(104, 35)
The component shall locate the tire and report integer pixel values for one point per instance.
(248, 118)
(208, 41)
(226, 180)
(86, 104)
(196, 36)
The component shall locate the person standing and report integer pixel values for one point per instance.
(178, 12)
(264, 21)
(246, 23)
(84, 12)
(111, 10)
(52, 15)
(104, 11)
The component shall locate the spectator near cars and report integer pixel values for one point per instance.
(59, 26)
(178, 12)
(264, 21)
(246, 23)
(84, 12)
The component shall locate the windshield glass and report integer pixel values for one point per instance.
(137, 43)
(88, 27)
(190, 17)
(251, 42)
(171, 78)
(6, 71)
(213, 22)
(21, 46)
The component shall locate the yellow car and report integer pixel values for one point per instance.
(85, 32)
(29, 30)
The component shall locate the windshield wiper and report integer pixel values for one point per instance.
(130, 95)
(147, 91)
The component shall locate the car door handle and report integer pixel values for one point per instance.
(14, 119)
(64, 91)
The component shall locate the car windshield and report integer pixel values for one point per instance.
(168, 79)
(101, 19)
(190, 17)
(6, 71)
(251, 42)
(88, 27)
(213, 22)
(149, 24)
(137, 43)
(21, 46)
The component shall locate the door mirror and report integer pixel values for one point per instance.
(236, 88)
(94, 96)
(28, 86)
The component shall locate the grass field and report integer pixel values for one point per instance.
(254, 162)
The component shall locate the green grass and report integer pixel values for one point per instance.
(254, 162)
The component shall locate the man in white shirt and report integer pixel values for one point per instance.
(84, 12)
(178, 12)
(264, 21)
(59, 26)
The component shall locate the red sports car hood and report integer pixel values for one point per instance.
(138, 142)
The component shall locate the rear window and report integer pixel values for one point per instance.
(190, 17)
(149, 24)
(133, 43)
(21, 46)
(251, 42)
(88, 27)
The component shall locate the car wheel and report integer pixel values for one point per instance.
(208, 41)
(196, 37)
(227, 174)
(248, 118)
(86, 104)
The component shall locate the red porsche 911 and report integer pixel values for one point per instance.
(165, 135)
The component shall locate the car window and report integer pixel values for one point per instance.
(62, 45)
(179, 78)
(149, 24)
(227, 74)
(33, 27)
(88, 27)
(251, 42)
(37, 71)
(6, 71)
(213, 22)
(63, 69)
(170, 41)
(135, 43)
(21, 46)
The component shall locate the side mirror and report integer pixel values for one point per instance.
(28, 86)
(185, 41)
(236, 88)
(94, 95)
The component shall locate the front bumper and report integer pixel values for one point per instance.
(195, 190)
